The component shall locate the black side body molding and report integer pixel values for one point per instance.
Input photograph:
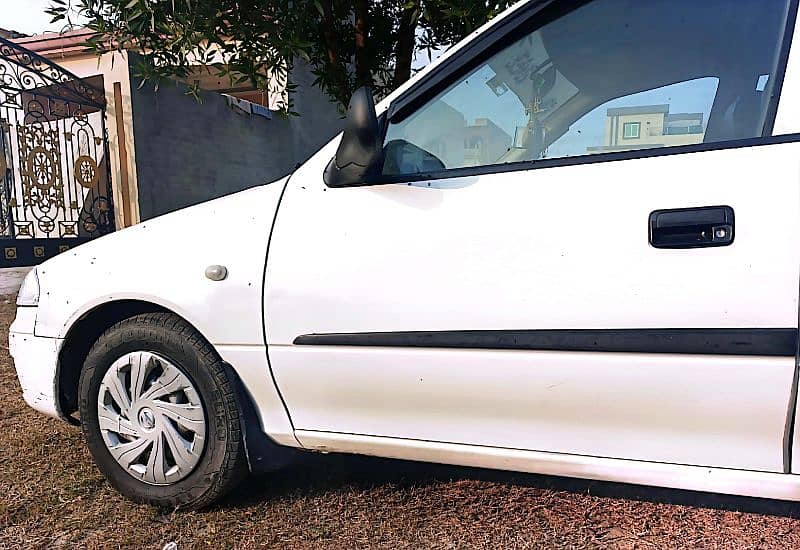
(778, 342)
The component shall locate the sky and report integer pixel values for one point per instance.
(26, 16)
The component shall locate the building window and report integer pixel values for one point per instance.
(630, 130)
(683, 130)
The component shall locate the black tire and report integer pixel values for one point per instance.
(223, 463)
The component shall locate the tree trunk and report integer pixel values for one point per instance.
(406, 40)
(338, 72)
(363, 68)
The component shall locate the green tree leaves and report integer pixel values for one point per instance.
(347, 43)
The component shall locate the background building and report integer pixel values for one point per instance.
(85, 149)
(649, 126)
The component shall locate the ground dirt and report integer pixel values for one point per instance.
(51, 495)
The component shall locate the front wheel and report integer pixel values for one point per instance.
(159, 413)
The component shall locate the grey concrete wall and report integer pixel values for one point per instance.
(189, 152)
(319, 119)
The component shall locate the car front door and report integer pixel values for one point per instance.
(587, 243)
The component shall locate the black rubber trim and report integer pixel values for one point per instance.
(777, 342)
(783, 61)
(588, 159)
(264, 297)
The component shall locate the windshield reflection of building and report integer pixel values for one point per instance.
(458, 142)
(647, 126)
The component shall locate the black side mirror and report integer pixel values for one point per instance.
(359, 158)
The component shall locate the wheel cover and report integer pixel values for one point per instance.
(151, 418)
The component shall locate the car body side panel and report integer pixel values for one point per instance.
(35, 360)
(655, 407)
(556, 248)
(163, 261)
(252, 367)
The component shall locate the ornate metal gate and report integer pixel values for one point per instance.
(55, 184)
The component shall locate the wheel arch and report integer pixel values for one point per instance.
(81, 336)
(263, 454)
(84, 332)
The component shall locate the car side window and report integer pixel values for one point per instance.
(610, 76)
(676, 114)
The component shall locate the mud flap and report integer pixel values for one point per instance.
(263, 454)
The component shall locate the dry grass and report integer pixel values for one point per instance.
(52, 495)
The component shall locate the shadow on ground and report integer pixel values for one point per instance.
(314, 474)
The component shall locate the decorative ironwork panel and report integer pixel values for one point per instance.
(40, 171)
(23, 70)
(55, 185)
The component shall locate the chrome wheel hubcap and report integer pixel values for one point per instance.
(151, 418)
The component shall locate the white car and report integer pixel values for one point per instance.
(569, 246)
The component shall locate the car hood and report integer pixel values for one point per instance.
(163, 261)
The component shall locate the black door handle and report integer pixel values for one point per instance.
(692, 227)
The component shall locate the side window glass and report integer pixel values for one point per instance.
(671, 115)
(612, 75)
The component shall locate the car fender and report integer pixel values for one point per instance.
(163, 261)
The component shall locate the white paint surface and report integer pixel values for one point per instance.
(727, 412)
(35, 360)
(163, 261)
(250, 363)
(557, 248)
